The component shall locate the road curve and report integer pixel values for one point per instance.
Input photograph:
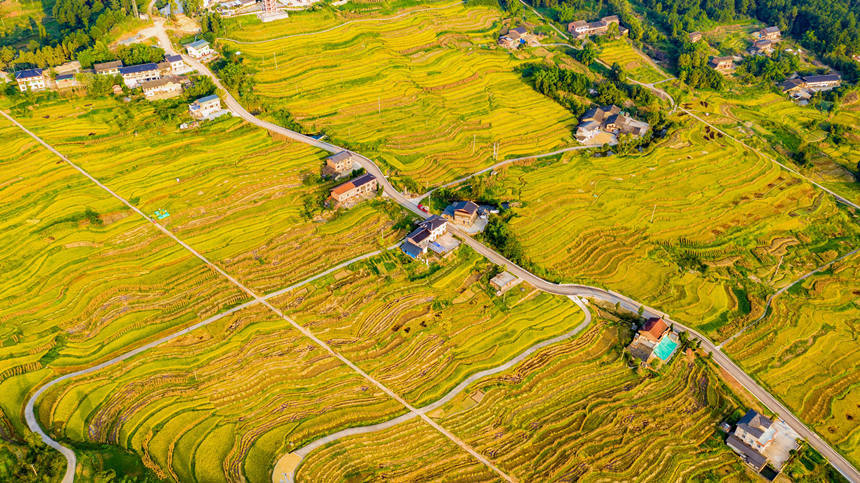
(837, 460)
(306, 450)
(68, 453)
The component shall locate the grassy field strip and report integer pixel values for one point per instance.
(780, 292)
(838, 197)
(35, 426)
(132, 207)
(236, 194)
(410, 452)
(631, 60)
(302, 452)
(499, 165)
(524, 418)
(29, 408)
(397, 92)
(349, 22)
(805, 351)
(248, 371)
(81, 277)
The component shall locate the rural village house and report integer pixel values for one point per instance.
(463, 213)
(752, 435)
(768, 33)
(802, 88)
(653, 340)
(31, 80)
(198, 49)
(504, 282)
(164, 88)
(722, 64)
(761, 47)
(422, 237)
(339, 164)
(134, 75)
(516, 37)
(204, 107)
(354, 190)
(108, 68)
(66, 81)
(695, 37)
(581, 29)
(610, 119)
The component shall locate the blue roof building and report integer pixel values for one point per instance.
(411, 249)
(133, 69)
(28, 74)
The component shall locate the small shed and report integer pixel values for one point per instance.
(504, 282)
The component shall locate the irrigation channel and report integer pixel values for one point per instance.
(290, 462)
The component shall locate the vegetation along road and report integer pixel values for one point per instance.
(838, 461)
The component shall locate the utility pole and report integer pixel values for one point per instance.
(473, 144)
(652, 213)
(276, 60)
(134, 8)
(379, 104)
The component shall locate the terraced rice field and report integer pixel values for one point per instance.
(234, 194)
(774, 124)
(806, 353)
(411, 452)
(635, 64)
(644, 225)
(220, 403)
(572, 411)
(422, 337)
(81, 276)
(428, 95)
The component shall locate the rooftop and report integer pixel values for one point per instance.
(503, 279)
(822, 78)
(363, 180)
(337, 157)
(113, 64)
(751, 456)
(198, 44)
(654, 327)
(133, 69)
(173, 58)
(433, 222)
(467, 206)
(411, 249)
(209, 98)
(28, 74)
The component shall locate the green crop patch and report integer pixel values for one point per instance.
(806, 353)
(421, 336)
(219, 403)
(429, 103)
(697, 227)
(81, 275)
(251, 204)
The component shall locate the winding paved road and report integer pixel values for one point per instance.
(768, 400)
(306, 450)
(837, 460)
